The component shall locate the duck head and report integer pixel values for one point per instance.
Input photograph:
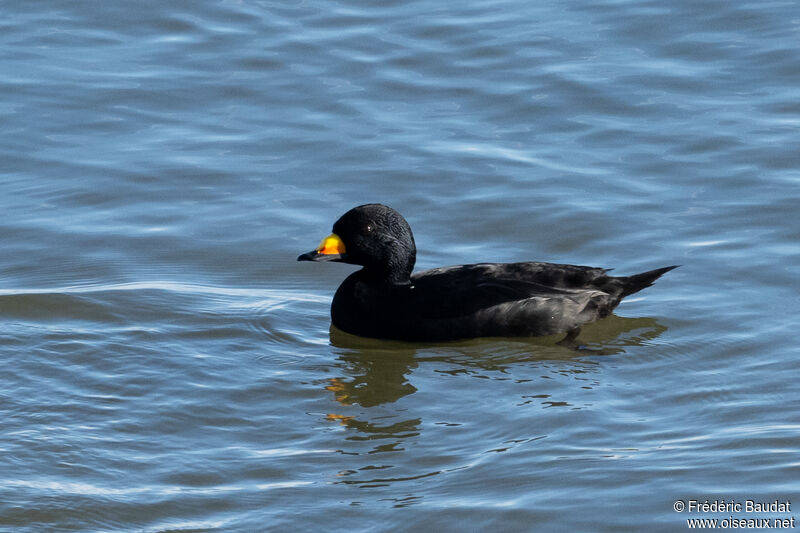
(374, 236)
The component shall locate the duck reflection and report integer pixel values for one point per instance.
(376, 371)
(376, 374)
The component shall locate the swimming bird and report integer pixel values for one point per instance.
(385, 299)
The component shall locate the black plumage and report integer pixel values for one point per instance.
(386, 300)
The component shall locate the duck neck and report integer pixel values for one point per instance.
(386, 276)
(393, 268)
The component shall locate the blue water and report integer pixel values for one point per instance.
(167, 365)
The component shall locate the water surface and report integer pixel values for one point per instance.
(169, 366)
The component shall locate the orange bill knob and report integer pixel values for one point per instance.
(330, 249)
(331, 245)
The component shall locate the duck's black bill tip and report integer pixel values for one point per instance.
(316, 256)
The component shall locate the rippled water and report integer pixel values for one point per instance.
(168, 366)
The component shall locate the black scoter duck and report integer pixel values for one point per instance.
(386, 300)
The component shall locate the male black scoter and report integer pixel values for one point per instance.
(386, 300)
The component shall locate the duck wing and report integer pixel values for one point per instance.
(451, 292)
(464, 289)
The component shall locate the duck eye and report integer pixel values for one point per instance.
(369, 228)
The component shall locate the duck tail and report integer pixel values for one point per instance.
(637, 282)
